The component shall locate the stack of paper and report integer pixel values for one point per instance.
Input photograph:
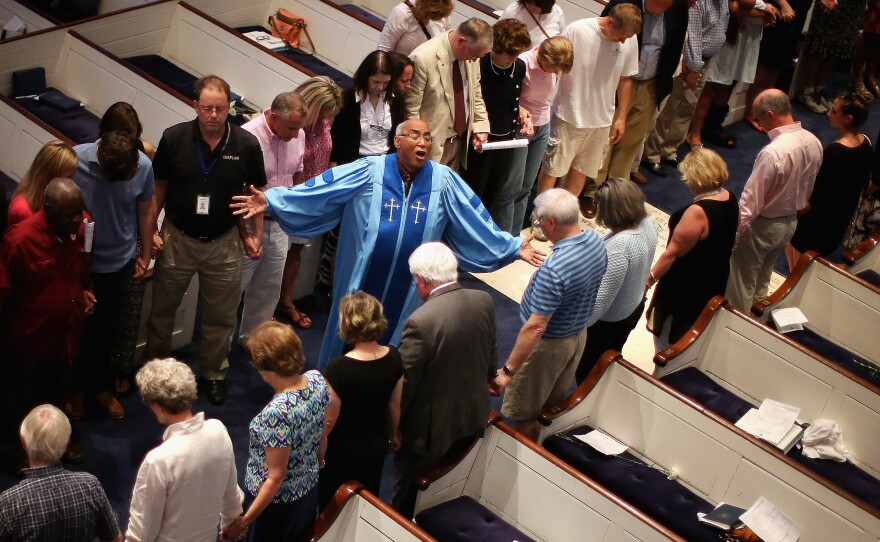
(769, 523)
(266, 39)
(788, 319)
(773, 422)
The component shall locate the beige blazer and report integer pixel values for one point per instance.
(431, 97)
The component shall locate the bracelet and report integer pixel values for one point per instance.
(651, 274)
(507, 370)
(322, 463)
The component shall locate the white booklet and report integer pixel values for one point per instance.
(266, 39)
(771, 422)
(770, 523)
(788, 319)
(603, 443)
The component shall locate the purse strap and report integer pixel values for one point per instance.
(296, 23)
(537, 22)
(421, 24)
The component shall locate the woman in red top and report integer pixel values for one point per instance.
(55, 159)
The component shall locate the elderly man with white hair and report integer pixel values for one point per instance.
(187, 487)
(51, 503)
(555, 310)
(449, 354)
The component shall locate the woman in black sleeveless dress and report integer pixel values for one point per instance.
(696, 263)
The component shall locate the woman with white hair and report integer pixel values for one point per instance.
(188, 484)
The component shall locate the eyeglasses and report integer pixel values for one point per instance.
(415, 136)
(215, 109)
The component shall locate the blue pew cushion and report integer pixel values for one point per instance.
(370, 16)
(870, 276)
(836, 353)
(701, 388)
(666, 501)
(78, 124)
(310, 62)
(29, 81)
(465, 520)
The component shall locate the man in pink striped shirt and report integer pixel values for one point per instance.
(777, 190)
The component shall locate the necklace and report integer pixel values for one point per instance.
(708, 194)
(503, 72)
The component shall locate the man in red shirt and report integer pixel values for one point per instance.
(44, 297)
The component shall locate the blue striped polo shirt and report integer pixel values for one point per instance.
(566, 285)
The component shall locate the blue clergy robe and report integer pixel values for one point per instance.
(382, 226)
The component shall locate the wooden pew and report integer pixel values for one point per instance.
(534, 491)
(751, 362)
(355, 515)
(864, 260)
(32, 19)
(842, 309)
(711, 457)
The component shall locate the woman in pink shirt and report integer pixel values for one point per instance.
(55, 159)
(323, 101)
(544, 63)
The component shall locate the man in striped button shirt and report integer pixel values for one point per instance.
(555, 309)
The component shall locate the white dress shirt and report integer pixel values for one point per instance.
(186, 486)
(402, 32)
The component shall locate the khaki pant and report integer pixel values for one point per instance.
(672, 125)
(639, 119)
(754, 255)
(218, 264)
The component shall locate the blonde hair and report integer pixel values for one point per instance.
(557, 52)
(360, 318)
(323, 98)
(703, 170)
(433, 10)
(626, 18)
(275, 347)
(55, 159)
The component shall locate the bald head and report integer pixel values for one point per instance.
(772, 109)
(63, 203)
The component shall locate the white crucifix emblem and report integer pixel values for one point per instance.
(418, 208)
(391, 206)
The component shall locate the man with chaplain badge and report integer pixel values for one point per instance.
(388, 206)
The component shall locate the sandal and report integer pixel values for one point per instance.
(719, 137)
(873, 87)
(298, 317)
(753, 124)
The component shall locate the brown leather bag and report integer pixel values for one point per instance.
(288, 26)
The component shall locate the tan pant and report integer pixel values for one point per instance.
(218, 264)
(754, 255)
(672, 125)
(639, 120)
(453, 151)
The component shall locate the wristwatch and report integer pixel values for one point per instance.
(507, 370)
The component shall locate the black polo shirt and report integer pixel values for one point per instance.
(237, 164)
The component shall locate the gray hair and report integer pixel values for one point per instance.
(478, 33)
(620, 204)
(168, 383)
(558, 204)
(45, 432)
(777, 102)
(289, 102)
(434, 262)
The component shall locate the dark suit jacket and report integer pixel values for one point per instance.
(449, 352)
(346, 128)
(675, 21)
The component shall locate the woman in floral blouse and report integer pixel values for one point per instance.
(287, 441)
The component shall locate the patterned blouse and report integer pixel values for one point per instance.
(294, 419)
(318, 145)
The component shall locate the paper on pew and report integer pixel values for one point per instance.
(507, 144)
(603, 443)
(266, 39)
(771, 422)
(769, 523)
(788, 319)
(15, 24)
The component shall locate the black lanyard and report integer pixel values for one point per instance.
(206, 169)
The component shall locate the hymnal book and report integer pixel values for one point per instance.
(59, 101)
(724, 517)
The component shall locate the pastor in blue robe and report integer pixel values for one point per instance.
(382, 226)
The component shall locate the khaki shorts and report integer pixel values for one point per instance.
(544, 378)
(582, 149)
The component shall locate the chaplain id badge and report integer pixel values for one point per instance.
(203, 205)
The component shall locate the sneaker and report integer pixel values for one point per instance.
(811, 103)
(823, 99)
(536, 229)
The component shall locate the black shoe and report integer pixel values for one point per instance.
(588, 206)
(655, 169)
(669, 161)
(73, 455)
(215, 391)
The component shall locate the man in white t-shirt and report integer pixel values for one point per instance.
(605, 59)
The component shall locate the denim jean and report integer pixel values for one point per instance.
(537, 147)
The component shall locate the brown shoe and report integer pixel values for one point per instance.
(110, 405)
(637, 177)
(75, 407)
(73, 455)
(588, 206)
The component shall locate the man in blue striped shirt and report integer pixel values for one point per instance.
(555, 309)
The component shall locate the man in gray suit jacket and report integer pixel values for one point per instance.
(449, 356)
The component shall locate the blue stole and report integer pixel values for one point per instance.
(401, 231)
